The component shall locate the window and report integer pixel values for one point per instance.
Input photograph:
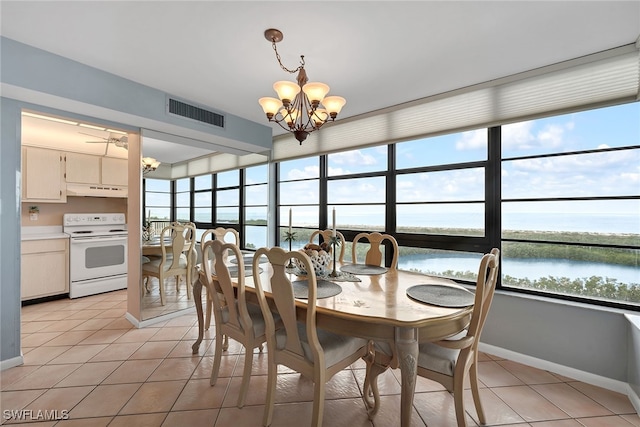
(571, 204)
(256, 201)
(183, 200)
(228, 198)
(157, 200)
(298, 193)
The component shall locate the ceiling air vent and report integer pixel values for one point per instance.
(192, 112)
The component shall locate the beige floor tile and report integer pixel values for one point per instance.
(493, 375)
(558, 423)
(38, 338)
(69, 338)
(496, 412)
(60, 399)
(31, 327)
(16, 400)
(201, 418)
(570, 400)
(529, 404)
(133, 371)
(78, 354)
(154, 397)
(610, 421)
(436, 408)
(112, 313)
(119, 323)
(389, 413)
(528, 374)
(9, 376)
(170, 333)
(104, 400)
(227, 367)
(85, 314)
(617, 403)
(89, 374)
(175, 369)
(114, 352)
(137, 335)
(92, 324)
(141, 420)
(42, 355)
(154, 350)
(184, 349)
(104, 336)
(44, 377)
(199, 394)
(62, 325)
(85, 422)
(633, 419)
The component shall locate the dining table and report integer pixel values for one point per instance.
(153, 247)
(375, 307)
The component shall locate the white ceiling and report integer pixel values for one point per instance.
(375, 54)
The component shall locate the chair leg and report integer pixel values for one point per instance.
(271, 391)
(189, 284)
(217, 358)
(246, 376)
(318, 401)
(370, 387)
(207, 322)
(161, 286)
(458, 399)
(475, 391)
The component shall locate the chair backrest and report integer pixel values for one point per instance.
(225, 294)
(326, 236)
(485, 289)
(283, 297)
(182, 240)
(220, 233)
(374, 254)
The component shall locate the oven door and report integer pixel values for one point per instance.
(95, 257)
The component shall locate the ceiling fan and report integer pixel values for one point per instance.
(118, 140)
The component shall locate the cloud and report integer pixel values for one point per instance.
(355, 158)
(472, 140)
(307, 172)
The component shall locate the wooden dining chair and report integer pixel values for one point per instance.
(447, 361)
(234, 317)
(373, 255)
(315, 353)
(178, 257)
(229, 235)
(326, 236)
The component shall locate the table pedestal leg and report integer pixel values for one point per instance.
(197, 299)
(407, 348)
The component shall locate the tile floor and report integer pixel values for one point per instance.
(83, 359)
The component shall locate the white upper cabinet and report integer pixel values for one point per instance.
(114, 171)
(83, 168)
(43, 175)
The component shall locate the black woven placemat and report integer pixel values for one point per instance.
(325, 289)
(441, 295)
(248, 270)
(363, 269)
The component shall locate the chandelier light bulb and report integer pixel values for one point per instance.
(271, 106)
(286, 91)
(315, 91)
(334, 104)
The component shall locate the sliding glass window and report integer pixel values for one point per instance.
(256, 206)
(571, 205)
(228, 198)
(299, 199)
(157, 202)
(183, 200)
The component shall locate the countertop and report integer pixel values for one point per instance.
(42, 233)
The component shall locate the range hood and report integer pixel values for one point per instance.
(95, 190)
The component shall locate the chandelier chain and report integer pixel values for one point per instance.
(300, 67)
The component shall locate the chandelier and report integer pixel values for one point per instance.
(303, 106)
(149, 164)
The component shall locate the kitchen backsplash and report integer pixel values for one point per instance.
(51, 213)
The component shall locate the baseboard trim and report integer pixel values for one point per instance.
(586, 377)
(143, 323)
(10, 363)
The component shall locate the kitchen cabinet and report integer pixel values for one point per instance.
(83, 168)
(44, 268)
(89, 169)
(114, 171)
(43, 175)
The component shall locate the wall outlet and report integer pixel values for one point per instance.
(33, 216)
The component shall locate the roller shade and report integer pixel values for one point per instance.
(592, 81)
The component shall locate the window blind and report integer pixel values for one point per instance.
(592, 81)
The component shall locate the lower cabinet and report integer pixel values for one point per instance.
(44, 268)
